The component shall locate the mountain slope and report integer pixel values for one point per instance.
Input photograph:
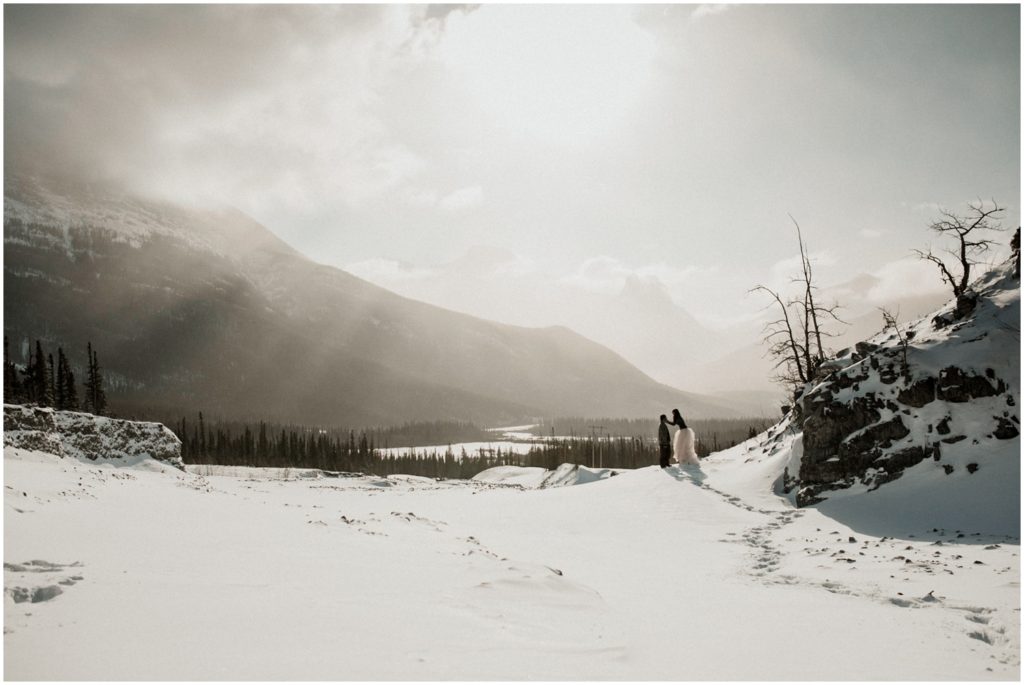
(638, 319)
(205, 309)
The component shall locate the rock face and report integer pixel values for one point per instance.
(79, 435)
(888, 406)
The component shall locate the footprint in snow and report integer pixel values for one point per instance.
(25, 572)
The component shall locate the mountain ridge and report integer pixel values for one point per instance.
(208, 307)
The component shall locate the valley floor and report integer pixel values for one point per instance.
(142, 572)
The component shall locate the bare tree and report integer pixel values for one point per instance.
(813, 313)
(795, 339)
(782, 343)
(891, 322)
(968, 231)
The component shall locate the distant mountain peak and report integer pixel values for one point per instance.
(646, 289)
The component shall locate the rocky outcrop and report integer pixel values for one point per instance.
(890, 404)
(955, 385)
(80, 435)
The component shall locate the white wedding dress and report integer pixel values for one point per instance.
(683, 447)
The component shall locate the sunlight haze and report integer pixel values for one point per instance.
(509, 161)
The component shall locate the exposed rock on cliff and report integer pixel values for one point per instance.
(79, 435)
(943, 393)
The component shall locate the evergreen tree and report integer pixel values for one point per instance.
(261, 450)
(59, 397)
(50, 396)
(26, 381)
(183, 434)
(101, 396)
(35, 376)
(90, 394)
(67, 393)
(71, 389)
(13, 390)
(95, 397)
(202, 436)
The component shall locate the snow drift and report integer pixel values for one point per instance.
(537, 477)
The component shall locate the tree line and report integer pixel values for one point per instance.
(356, 454)
(44, 383)
(349, 451)
(264, 446)
(217, 441)
(712, 434)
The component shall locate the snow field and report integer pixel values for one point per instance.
(647, 575)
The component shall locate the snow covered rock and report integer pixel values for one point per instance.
(537, 477)
(86, 436)
(947, 393)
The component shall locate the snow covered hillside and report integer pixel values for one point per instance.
(118, 571)
(927, 415)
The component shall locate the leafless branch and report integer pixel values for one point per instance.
(981, 216)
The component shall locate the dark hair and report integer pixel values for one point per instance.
(678, 418)
(663, 417)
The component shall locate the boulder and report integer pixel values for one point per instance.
(1005, 430)
(919, 394)
(956, 385)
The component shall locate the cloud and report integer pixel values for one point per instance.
(608, 275)
(441, 11)
(871, 233)
(562, 74)
(419, 197)
(908, 277)
(251, 104)
(707, 10)
(783, 271)
(922, 207)
(462, 199)
(389, 271)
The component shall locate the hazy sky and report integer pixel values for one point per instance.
(590, 142)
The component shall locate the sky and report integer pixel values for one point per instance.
(572, 146)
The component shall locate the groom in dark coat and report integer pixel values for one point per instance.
(664, 442)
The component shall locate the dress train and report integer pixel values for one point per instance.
(683, 447)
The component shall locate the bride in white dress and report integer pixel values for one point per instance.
(683, 442)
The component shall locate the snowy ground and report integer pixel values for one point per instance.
(145, 572)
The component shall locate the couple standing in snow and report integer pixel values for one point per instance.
(681, 447)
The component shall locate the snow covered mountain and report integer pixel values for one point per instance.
(924, 422)
(207, 310)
